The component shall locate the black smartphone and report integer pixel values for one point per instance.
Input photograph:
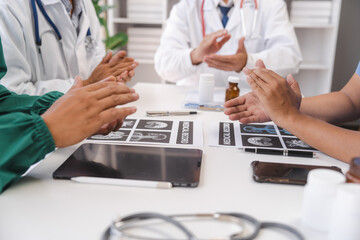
(285, 173)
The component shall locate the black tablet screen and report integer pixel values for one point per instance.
(179, 166)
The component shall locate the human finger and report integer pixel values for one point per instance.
(250, 119)
(107, 128)
(254, 86)
(121, 62)
(100, 84)
(259, 64)
(116, 113)
(121, 70)
(235, 102)
(293, 84)
(119, 123)
(218, 34)
(224, 40)
(268, 76)
(240, 115)
(222, 58)
(111, 89)
(218, 64)
(132, 73)
(247, 70)
(78, 83)
(241, 47)
(107, 58)
(262, 81)
(118, 56)
(116, 100)
(235, 110)
(109, 79)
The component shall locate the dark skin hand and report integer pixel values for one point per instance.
(119, 66)
(279, 97)
(234, 62)
(86, 110)
(247, 108)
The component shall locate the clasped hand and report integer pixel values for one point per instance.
(211, 44)
(119, 66)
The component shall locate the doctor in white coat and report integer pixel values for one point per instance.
(37, 65)
(200, 37)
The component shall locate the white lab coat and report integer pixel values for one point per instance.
(27, 73)
(274, 40)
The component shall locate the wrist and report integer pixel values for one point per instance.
(243, 62)
(289, 119)
(51, 129)
(196, 59)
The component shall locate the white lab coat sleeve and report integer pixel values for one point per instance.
(19, 75)
(172, 59)
(282, 52)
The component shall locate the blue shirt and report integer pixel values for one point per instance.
(358, 69)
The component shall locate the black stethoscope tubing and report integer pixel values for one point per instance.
(48, 19)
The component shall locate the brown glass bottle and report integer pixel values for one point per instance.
(233, 91)
(353, 175)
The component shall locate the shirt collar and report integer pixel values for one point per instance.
(230, 3)
(68, 6)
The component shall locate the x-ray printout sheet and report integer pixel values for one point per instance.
(266, 136)
(159, 132)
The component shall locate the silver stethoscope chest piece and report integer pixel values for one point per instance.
(90, 42)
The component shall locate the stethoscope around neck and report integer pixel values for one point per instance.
(242, 18)
(90, 43)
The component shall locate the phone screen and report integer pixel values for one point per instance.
(284, 172)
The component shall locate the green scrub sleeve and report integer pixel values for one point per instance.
(11, 102)
(24, 140)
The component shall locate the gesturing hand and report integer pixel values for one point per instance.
(209, 45)
(119, 66)
(280, 98)
(82, 111)
(247, 108)
(234, 62)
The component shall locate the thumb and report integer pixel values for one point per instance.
(78, 83)
(107, 58)
(259, 64)
(241, 45)
(293, 84)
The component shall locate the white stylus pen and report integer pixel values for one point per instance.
(122, 182)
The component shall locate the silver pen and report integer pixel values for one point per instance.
(169, 113)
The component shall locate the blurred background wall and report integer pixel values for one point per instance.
(348, 45)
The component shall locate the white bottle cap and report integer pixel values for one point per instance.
(233, 79)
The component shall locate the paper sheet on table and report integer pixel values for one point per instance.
(192, 98)
(265, 135)
(155, 131)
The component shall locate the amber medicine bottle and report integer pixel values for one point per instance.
(233, 90)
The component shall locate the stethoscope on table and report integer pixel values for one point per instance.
(121, 228)
(90, 43)
(242, 17)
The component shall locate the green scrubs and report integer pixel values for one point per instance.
(24, 136)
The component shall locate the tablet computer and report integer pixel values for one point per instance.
(179, 166)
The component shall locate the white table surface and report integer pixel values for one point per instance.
(39, 207)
